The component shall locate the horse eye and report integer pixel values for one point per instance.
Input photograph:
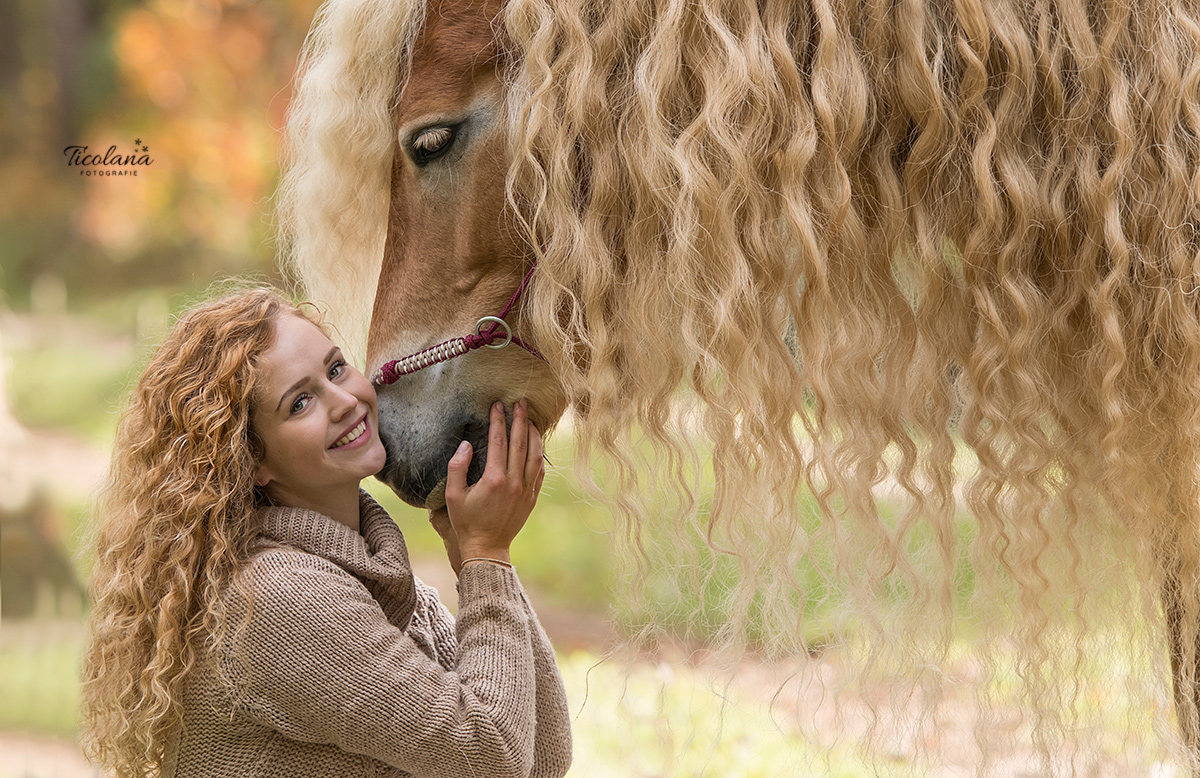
(431, 143)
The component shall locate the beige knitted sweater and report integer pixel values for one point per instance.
(351, 667)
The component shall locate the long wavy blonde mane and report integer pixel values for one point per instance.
(942, 249)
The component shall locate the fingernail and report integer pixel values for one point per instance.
(462, 448)
(524, 404)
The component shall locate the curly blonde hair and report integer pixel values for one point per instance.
(948, 249)
(174, 522)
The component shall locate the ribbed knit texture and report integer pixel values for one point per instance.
(349, 666)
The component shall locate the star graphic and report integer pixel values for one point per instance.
(137, 142)
(145, 149)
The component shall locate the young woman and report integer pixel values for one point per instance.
(255, 613)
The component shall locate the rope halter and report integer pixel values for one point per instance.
(497, 330)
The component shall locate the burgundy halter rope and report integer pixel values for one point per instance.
(456, 347)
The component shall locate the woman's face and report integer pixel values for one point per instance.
(315, 415)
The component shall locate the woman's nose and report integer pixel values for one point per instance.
(341, 402)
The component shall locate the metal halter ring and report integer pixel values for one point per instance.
(507, 331)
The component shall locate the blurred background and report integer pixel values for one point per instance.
(92, 269)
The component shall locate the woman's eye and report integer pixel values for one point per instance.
(337, 368)
(300, 403)
(431, 143)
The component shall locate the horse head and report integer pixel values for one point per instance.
(453, 254)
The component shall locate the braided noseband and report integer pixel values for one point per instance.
(498, 329)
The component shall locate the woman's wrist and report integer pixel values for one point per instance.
(485, 553)
(486, 560)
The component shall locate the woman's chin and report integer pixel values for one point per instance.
(377, 458)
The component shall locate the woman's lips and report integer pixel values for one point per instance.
(360, 432)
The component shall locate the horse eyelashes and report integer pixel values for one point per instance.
(432, 143)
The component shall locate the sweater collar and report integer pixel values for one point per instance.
(376, 552)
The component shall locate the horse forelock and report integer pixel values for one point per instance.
(332, 201)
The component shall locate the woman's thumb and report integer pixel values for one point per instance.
(456, 472)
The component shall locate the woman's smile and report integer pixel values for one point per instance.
(358, 435)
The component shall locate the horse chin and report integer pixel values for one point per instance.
(437, 498)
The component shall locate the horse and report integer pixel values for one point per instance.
(942, 249)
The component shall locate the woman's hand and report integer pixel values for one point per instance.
(487, 516)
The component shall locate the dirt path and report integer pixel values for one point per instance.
(26, 756)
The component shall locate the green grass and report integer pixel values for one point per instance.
(39, 676)
(648, 720)
(69, 388)
(645, 720)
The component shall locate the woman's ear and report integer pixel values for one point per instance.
(262, 475)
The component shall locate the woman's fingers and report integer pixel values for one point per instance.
(518, 445)
(532, 461)
(514, 458)
(487, 516)
(497, 453)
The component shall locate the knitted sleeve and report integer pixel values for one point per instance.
(320, 663)
(552, 736)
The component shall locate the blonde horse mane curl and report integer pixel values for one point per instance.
(934, 270)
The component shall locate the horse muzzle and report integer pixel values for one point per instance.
(421, 437)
